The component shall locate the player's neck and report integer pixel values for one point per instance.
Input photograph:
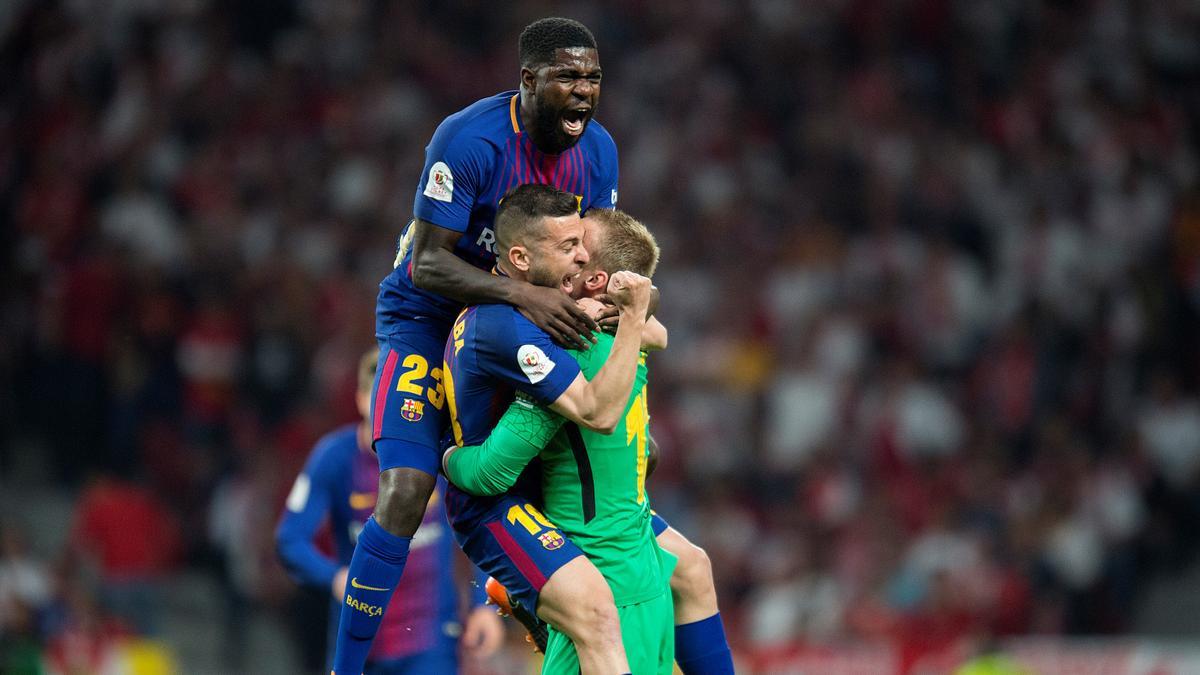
(528, 113)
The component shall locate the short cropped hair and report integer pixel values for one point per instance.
(366, 370)
(519, 218)
(624, 244)
(543, 37)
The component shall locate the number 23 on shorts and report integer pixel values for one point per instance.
(415, 369)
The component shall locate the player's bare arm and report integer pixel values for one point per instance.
(654, 335)
(437, 269)
(599, 403)
(610, 316)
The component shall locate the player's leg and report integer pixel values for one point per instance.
(407, 417)
(701, 647)
(646, 632)
(509, 539)
(577, 600)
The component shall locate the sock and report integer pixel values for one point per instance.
(701, 647)
(374, 572)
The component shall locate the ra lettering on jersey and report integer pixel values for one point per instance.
(475, 156)
(494, 351)
(340, 482)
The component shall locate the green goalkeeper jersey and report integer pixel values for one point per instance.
(594, 489)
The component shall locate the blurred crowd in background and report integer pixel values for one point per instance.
(931, 271)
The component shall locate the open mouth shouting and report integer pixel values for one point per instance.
(575, 120)
(568, 283)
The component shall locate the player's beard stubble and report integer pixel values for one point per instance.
(548, 130)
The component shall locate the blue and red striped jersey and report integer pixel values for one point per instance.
(476, 156)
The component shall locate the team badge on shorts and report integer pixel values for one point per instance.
(412, 410)
(551, 540)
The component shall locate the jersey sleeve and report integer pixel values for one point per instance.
(494, 466)
(308, 504)
(456, 162)
(519, 354)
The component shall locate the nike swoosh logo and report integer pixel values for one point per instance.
(354, 583)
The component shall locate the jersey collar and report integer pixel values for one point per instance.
(512, 113)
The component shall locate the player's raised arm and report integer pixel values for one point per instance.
(598, 404)
(654, 335)
(436, 268)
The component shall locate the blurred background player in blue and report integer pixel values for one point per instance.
(540, 134)
(421, 629)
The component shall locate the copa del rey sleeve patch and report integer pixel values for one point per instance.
(440, 184)
(298, 498)
(534, 363)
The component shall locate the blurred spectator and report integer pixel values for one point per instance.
(25, 585)
(1169, 426)
(237, 522)
(25, 596)
(133, 541)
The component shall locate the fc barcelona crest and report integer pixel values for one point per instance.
(551, 540)
(412, 410)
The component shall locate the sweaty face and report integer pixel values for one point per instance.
(557, 258)
(566, 93)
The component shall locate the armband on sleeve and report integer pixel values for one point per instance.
(493, 467)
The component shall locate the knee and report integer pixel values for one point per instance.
(591, 618)
(583, 607)
(403, 497)
(693, 576)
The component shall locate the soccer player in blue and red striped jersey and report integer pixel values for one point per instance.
(421, 629)
(543, 132)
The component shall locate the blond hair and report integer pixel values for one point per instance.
(623, 243)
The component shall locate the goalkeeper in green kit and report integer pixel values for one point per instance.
(594, 484)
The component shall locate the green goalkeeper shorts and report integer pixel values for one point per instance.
(647, 629)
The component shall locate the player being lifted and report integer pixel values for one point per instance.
(420, 631)
(593, 487)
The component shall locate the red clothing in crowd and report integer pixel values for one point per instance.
(126, 529)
